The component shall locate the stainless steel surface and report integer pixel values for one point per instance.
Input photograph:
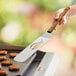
(44, 64)
(30, 71)
(48, 63)
(24, 66)
(32, 48)
(51, 69)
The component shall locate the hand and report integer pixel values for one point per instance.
(64, 19)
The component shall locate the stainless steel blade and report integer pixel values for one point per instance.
(27, 64)
(48, 65)
(32, 48)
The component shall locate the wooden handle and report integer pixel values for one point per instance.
(58, 20)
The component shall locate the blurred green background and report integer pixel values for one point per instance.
(22, 21)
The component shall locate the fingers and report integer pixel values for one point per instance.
(64, 19)
(58, 13)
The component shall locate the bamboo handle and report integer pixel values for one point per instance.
(58, 20)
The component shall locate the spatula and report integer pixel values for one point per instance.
(41, 41)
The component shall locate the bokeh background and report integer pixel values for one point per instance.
(22, 21)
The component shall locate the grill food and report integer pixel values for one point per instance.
(12, 55)
(14, 68)
(2, 58)
(7, 62)
(3, 72)
(3, 52)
